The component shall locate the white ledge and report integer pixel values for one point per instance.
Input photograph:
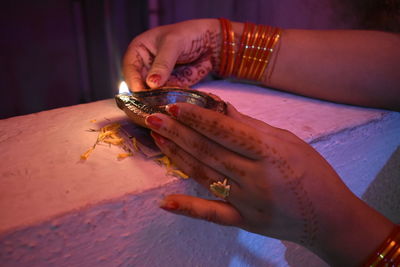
(56, 210)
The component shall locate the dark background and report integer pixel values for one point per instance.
(65, 52)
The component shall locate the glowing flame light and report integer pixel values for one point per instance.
(123, 88)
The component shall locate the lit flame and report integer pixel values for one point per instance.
(123, 88)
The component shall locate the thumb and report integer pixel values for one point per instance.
(215, 211)
(163, 64)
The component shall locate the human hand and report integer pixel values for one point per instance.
(280, 186)
(174, 55)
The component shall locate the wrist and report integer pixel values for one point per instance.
(350, 238)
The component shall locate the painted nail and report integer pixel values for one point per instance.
(173, 110)
(153, 122)
(154, 78)
(169, 205)
(159, 139)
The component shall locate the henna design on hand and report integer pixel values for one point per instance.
(172, 132)
(305, 204)
(196, 62)
(204, 45)
(229, 166)
(201, 147)
(215, 129)
(142, 62)
(293, 181)
(196, 171)
(190, 74)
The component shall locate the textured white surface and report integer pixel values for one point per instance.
(307, 118)
(42, 175)
(57, 211)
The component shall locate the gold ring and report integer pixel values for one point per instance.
(221, 190)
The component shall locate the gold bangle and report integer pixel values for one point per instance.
(388, 253)
(264, 53)
(231, 50)
(250, 58)
(224, 48)
(239, 55)
(270, 49)
(253, 51)
(248, 41)
(260, 46)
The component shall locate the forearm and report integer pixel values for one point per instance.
(347, 66)
(355, 67)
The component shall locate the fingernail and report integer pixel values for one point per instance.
(159, 139)
(155, 79)
(153, 122)
(173, 110)
(169, 205)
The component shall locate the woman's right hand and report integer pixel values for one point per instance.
(279, 185)
(174, 55)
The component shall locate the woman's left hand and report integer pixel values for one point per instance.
(179, 54)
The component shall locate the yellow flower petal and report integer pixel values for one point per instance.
(180, 174)
(124, 155)
(134, 142)
(85, 155)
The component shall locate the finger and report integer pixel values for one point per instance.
(133, 78)
(164, 63)
(135, 66)
(219, 212)
(224, 130)
(200, 147)
(202, 174)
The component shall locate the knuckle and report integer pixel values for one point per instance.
(162, 65)
(173, 149)
(172, 130)
(199, 173)
(135, 78)
(189, 210)
(171, 37)
(211, 215)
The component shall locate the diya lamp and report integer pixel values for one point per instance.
(138, 105)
